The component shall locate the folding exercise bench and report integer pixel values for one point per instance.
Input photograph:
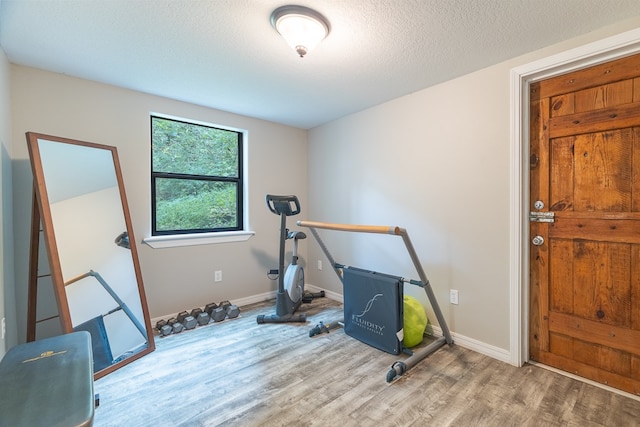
(48, 382)
(373, 302)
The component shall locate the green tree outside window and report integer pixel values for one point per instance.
(196, 177)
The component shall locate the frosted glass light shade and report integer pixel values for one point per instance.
(302, 28)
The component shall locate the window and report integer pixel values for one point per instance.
(196, 178)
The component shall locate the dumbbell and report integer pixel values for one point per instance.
(163, 327)
(202, 318)
(160, 323)
(217, 314)
(176, 326)
(188, 321)
(210, 307)
(181, 316)
(231, 310)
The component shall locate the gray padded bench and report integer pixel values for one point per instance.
(48, 382)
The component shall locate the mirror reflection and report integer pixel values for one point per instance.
(94, 266)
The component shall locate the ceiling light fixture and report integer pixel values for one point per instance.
(302, 28)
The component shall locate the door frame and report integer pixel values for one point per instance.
(521, 77)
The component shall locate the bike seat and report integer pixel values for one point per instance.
(297, 235)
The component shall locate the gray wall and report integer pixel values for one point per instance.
(436, 162)
(7, 307)
(175, 278)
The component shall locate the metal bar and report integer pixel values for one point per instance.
(115, 296)
(282, 309)
(427, 286)
(121, 303)
(326, 251)
(379, 229)
(408, 281)
(394, 230)
(400, 367)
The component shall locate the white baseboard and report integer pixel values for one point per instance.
(461, 340)
(254, 299)
(328, 294)
(239, 302)
(260, 298)
(477, 346)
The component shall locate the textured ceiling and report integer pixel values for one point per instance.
(224, 54)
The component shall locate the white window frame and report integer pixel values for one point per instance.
(194, 239)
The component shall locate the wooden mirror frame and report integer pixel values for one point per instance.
(55, 267)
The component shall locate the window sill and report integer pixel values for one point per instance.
(177, 240)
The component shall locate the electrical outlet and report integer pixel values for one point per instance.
(319, 264)
(453, 296)
(218, 276)
(4, 328)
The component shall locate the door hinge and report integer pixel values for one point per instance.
(542, 216)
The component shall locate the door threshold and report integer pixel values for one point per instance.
(585, 380)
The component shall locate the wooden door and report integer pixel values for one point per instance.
(585, 272)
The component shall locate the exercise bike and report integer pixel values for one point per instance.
(290, 284)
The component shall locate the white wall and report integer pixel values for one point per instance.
(7, 310)
(175, 279)
(435, 162)
(85, 242)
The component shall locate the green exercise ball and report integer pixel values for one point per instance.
(415, 322)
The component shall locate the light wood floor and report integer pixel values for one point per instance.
(239, 373)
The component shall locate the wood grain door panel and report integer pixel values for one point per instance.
(585, 278)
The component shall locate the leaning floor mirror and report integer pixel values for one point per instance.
(90, 244)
